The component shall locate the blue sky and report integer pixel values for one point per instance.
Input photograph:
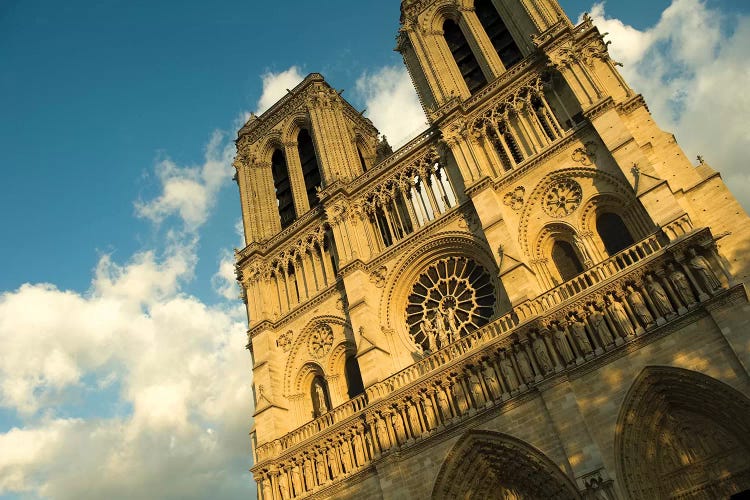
(118, 213)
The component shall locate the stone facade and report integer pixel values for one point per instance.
(537, 297)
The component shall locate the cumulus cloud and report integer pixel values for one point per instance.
(171, 371)
(190, 192)
(692, 67)
(392, 103)
(275, 86)
(224, 281)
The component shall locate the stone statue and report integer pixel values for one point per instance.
(639, 307)
(702, 269)
(490, 378)
(333, 462)
(359, 452)
(429, 413)
(321, 396)
(308, 475)
(506, 368)
(542, 356)
(524, 365)
(453, 323)
(383, 438)
(444, 404)
(398, 427)
(658, 296)
(681, 285)
(413, 413)
(562, 344)
(578, 328)
(460, 398)
(266, 487)
(599, 324)
(283, 486)
(619, 317)
(296, 481)
(428, 328)
(476, 390)
(346, 457)
(442, 333)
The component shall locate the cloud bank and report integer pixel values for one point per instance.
(692, 68)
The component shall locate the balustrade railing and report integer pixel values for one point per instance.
(613, 303)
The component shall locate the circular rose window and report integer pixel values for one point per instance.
(562, 198)
(451, 298)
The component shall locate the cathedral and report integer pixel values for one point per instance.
(538, 297)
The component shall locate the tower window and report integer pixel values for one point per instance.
(361, 159)
(310, 169)
(283, 188)
(354, 383)
(465, 59)
(498, 33)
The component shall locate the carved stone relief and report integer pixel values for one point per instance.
(562, 198)
(514, 199)
(321, 340)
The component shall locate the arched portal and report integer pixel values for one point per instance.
(682, 434)
(490, 465)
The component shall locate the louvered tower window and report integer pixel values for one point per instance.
(465, 59)
(310, 170)
(283, 189)
(498, 33)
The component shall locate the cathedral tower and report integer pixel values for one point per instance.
(516, 301)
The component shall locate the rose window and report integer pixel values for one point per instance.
(321, 340)
(450, 299)
(562, 198)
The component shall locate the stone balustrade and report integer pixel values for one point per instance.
(637, 292)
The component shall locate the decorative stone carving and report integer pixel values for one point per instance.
(562, 198)
(524, 365)
(542, 356)
(320, 395)
(659, 297)
(506, 368)
(563, 344)
(599, 325)
(585, 155)
(321, 340)
(378, 276)
(285, 340)
(619, 316)
(514, 199)
(578, 329)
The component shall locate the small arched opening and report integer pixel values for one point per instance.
(465, 59)
(354, 384)
(498, 33)
(283, 188)
(566, 260)
(613, 232)
(310, 168)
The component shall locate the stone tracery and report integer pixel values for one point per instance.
(452, 297)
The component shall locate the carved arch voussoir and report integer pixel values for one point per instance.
(485, 452)
(299, 355)
(606, 183)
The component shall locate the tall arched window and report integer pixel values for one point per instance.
(283, 188)
(566, 260)
(310, 169)
(498, 33)
(361, 159)
(354, 383)
(613, 232)
(465, 59)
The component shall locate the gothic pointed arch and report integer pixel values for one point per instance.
(488, 465)
(682, 434)
(310, 168)
(498, 33)
(464, 57)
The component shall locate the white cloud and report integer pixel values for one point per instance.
(692, 67)
(190, 192)
(392, 104)
(224, 281)
(275, 86)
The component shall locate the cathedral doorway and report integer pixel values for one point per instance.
(489, 465)
(682, 434)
